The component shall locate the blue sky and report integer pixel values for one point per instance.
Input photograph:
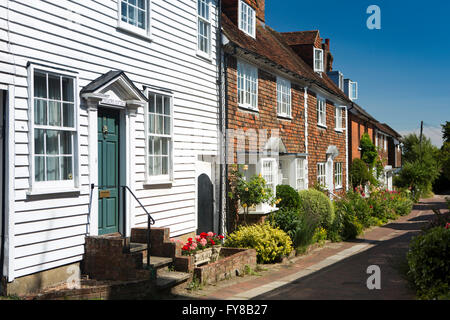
(403, 69)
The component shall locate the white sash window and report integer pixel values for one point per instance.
(247, 85)
(321, 111)
(283, 97)
(247, 19)
(204, 27)
(322, 174)
(338, 174)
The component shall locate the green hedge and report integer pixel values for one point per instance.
(429, 267)
(289, 197)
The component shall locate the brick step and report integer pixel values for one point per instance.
(158, 262)
(137, 247)
(171, 279)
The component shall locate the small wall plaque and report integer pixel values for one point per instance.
(105, 194)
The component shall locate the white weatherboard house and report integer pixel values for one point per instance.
(96, 95)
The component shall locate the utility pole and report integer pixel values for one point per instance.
(421, 136)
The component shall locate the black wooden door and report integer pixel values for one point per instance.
(205, 204)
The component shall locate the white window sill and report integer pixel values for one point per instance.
(256, 212)
(322, 126)
(204, 56)
(248, 108)
(339, 130)
(338, 188)
(284, 117)
(125, 27)
(158, 183)
(50, 191)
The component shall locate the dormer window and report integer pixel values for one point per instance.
(247, 19)
(318, 60)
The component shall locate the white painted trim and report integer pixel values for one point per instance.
(306, 136)
(346, 149)
(8, 268)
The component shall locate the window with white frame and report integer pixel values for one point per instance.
(134, 15)
(321, 111)
(283, 97)
(338, 174)
(247, 19)
(318, 60)
(269, 172)
(385, 143)
(339, 112)
(353, 90)
(321, 173)
(54, 127)
(159, 138)
(204, 26)
(247, 85)
(301, 174)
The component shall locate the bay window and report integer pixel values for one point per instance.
(301, 174)
(338, 174)
(269, 173)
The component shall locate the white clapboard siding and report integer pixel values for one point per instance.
(82, 36)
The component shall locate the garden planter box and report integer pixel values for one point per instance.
(206, 256)
(231, 263)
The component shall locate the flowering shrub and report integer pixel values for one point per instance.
(201, 242)
(270, 243)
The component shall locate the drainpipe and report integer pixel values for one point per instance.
(346, 149)
(3, 208)
(222, 128)
(306, 133)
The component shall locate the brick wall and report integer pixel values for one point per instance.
(319, 139)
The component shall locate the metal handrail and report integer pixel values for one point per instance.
(150, 220)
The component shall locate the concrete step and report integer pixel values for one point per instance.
(158, 262)
(170, 279)
(137, 247)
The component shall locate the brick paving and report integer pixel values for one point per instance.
(338, 270)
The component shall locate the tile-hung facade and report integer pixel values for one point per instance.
(97, 95)
(280, 93)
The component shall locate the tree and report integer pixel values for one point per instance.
(446, 131)
(421, 165)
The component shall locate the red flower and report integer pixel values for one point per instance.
(447, 226)
(221, 237)
(212, 242)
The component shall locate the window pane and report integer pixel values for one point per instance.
(68, 115)
(39, 168)
(124, 11)
(133, 2)
(151, 103)
(151, 120)
(159, 104)
(157, 169)
(40, 112)
(132, 15)
(165, 146)
(39, 141)
(167, 106)
(66, 143)
(66, 168)
(141, 19)
(53, 168)
(150, 166)
(159, 124)
(165, 166)
(157, 146)
(54, 87)
(52, 142)
(167, 127)
(150, 145)
(40, 85)
(141, 4)
(54, 113)
(67, 85)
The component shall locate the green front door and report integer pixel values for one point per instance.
(108, 171)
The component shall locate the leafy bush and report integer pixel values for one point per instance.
(347, 224)
(429, 267)
(318, 204)
(359, 173)
(270, 243)
(289, 197)
(300, 226)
